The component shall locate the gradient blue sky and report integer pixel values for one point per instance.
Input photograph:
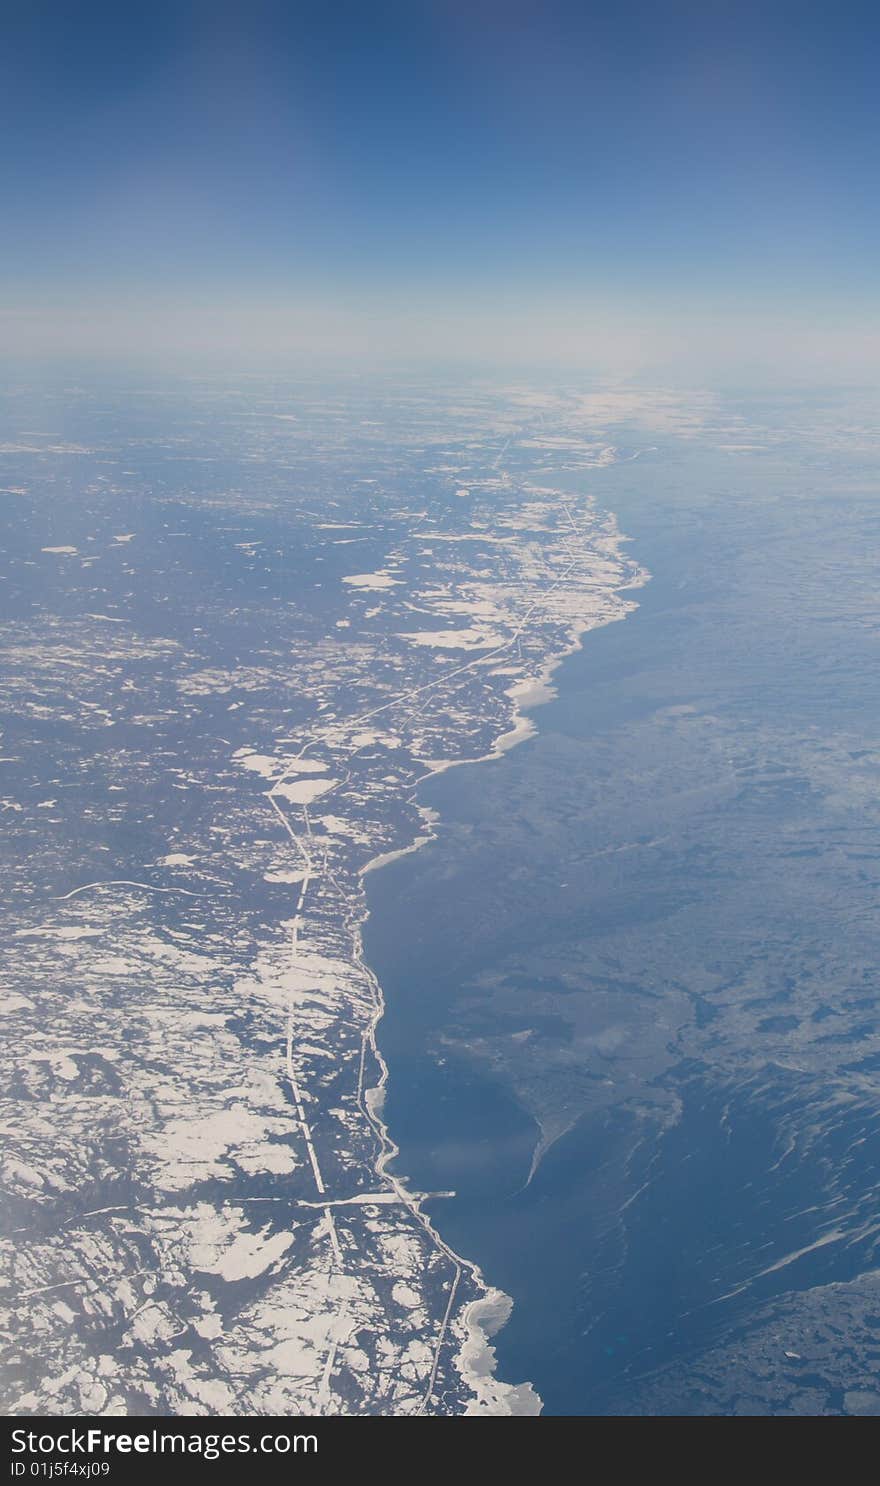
(438, 163)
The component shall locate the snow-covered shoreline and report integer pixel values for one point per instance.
(481, 1319)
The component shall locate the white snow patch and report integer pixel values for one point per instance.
(66, 933)
(454, 639)
(405, 1295)
(371, 581)
(272, 768)
(303, 791)
(13, 1002)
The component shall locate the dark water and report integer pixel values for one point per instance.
(657, 917)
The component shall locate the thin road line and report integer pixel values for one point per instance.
(148, 887)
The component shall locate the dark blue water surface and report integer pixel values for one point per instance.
(657, 914)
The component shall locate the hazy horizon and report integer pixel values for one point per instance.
(650, 190)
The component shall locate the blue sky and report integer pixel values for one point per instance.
(428, 161)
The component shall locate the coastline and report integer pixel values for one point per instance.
(482, 1318)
